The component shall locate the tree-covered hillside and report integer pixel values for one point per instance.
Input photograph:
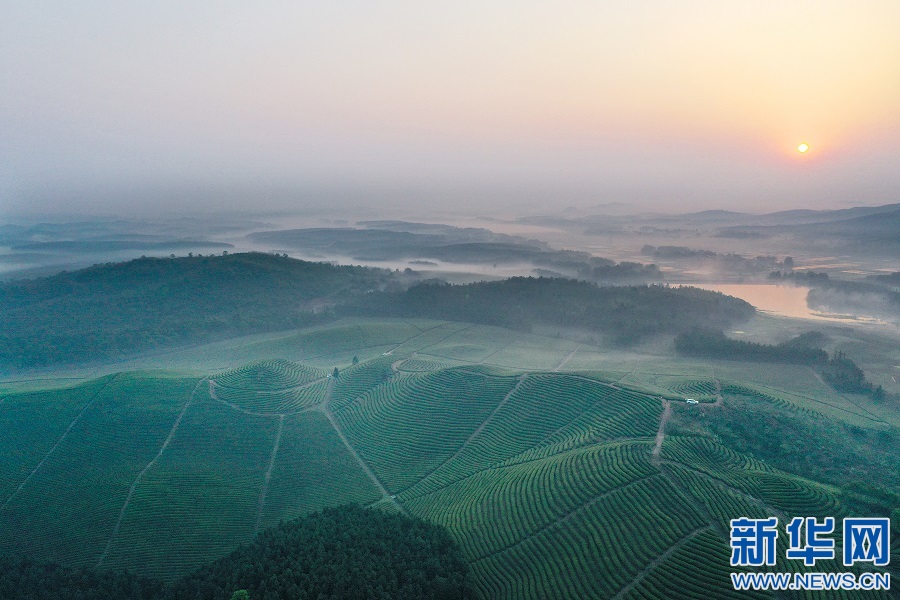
(346, 552)
(111, 310)
(114, 310)
(626, 313)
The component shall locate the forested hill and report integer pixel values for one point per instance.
(346, 552)
(626, 313)
(115, 309)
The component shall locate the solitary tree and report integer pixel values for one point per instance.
(355, 360)
(336, 372)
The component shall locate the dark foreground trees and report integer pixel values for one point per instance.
(345, 553)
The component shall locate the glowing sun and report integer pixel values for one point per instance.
(802, 148)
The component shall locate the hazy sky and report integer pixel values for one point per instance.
(687, 103)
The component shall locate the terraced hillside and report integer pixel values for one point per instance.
(556, 485)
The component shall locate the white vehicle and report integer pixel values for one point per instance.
(691, 401)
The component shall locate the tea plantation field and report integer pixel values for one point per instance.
(556, 484)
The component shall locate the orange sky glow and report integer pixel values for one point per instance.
(644, 100)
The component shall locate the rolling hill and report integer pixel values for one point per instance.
(554, 485)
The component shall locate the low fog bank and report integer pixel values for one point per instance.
(879, 304)
(610, 243)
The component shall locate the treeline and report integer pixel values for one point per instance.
(112, 310)
(580, 265)
(346, 553)
(838, 371)
(891, 279)
(875, 296)
(800, 277)
(844, 375)
(713, 343)
(733, 263)
(625, 313)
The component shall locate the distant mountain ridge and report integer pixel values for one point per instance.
(794, 216)
(874, 232)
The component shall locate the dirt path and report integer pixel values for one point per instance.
(268, 477)
(423, 332)
(567, 359)
(719, 400)
(562, 519)
(325, 407)
(661, 432)
(474, 434)
(611, 386)
(293, 388)
(656, 562)
(443, 339)
(214, 395)
(726, 485)
(146, 468)
(871, 416)
(58, 442)
(496, 352)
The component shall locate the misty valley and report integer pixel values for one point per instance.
(450, 300)
(315, 406)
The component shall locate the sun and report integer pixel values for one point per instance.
(803, 148)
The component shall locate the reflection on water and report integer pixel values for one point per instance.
(784, 300)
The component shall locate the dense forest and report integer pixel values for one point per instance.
(112, 310)
(730, 263)
(838, 371)
(713, 343)
(851, 296)
(625, 313)
(844, 375)
(343, 553)
(25, 579)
